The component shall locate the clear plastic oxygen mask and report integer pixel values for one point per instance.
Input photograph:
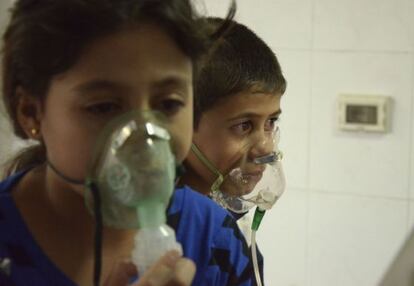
(134, 170)
(257, 179)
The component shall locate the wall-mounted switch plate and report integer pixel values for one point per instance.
(363, 112)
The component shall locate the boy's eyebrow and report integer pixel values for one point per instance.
(253, 114)
(277, 113)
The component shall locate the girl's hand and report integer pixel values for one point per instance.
(170, 270)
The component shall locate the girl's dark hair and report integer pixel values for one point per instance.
(238, 61)
(46, 37)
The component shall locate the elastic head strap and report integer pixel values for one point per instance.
(220, 178)
(64, 177)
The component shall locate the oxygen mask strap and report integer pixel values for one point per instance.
(220, 178)
(63, 176)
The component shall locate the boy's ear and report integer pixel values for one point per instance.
(29, 113)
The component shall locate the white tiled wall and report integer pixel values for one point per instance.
(411, 191)
(282, 24)
(285, 225)
(295, 113)
(5, 139)
(352, 239)
(4, 6)
(5, 143)
(359, 163)
(411, 215)
(347, 207)
(371, 25)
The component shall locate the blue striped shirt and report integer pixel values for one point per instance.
(209, 236)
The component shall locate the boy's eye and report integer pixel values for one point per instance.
(242, 128)
(103, 108)
(171, 106)
(271, 124)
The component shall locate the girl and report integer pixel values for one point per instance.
(69, 67)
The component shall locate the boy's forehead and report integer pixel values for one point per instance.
(249, 103)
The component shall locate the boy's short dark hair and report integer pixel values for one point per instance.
(239, 61)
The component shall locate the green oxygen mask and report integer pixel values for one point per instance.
(133, 169)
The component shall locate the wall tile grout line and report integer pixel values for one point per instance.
(307, 247)
(411, 148)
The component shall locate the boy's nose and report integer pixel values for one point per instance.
(262, 145)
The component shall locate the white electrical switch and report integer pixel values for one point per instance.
(363, 112)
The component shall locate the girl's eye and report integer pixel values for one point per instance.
(271, 124)
(103, 108)
(242, 128)
(171, 106)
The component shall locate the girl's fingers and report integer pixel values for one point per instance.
(121, 274)
(170, 270)
(184, 272)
